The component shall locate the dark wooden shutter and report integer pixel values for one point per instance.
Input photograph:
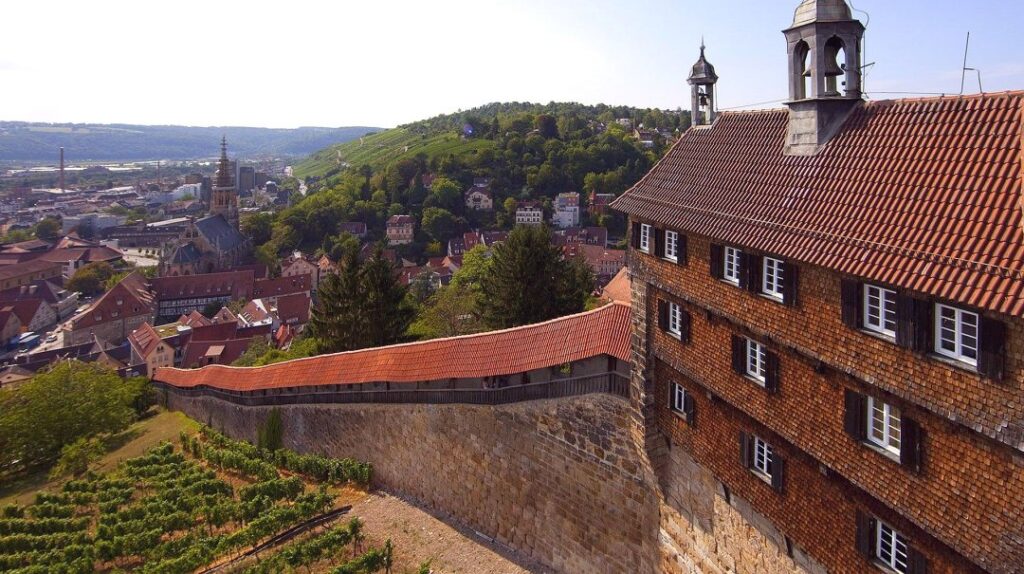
(739, 355)
(742, 266)
(771, 378)
(745, 450)
(754, 272)
(992, 351)
(854, 416)
(663, 315)
(866, 535)
(684, 326)
(913, 323)
(777, 468)
(636, 235)
(911, 437)
(717, 260)
(851, 303)
(659, 242)
(917, 563)
(681, 252)
(689, 409)
(790, 284)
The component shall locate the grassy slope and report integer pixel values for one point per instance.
(385, 147)
(131, 443)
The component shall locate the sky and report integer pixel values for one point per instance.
(387, 62)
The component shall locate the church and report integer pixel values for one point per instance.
(213, 243)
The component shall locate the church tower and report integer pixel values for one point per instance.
(224, 197)
(702, 91)
(824, 47)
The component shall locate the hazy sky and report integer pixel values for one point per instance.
(385, 62)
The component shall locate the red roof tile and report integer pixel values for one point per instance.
(923, 194)
(604, 331)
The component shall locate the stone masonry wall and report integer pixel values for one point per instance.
(558, 481)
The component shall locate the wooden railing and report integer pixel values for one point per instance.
(610, 383)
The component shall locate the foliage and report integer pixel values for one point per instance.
(91, 279)
(76, 457)
(261, 353)
(258, 227)
(55, 408)
(528, 281)
(450, 312)
(271, 431)
(48, 229)
(362, 305)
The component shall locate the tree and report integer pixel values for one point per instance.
(258, 228)
(338, 314)
(48, 229)
(450, 312)
(547, 125)
(387, 313)
(528, 281)
(444, 193)
(438, 223)
(55, 408)
(91, 278)
(270, 434)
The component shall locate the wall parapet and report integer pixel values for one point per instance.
(612, 383)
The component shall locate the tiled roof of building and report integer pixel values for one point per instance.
(144, 339)
(185, 254)
(25, 309)
(41, 289)
(214, 352)
(619, 289)
(233, 284)
(219, 233)
(401, 220)
(27, 268)
(282, 286)
(923, 194)
(86, 254)
(194, 319)
(604, 331)
(225, 315)
(294, 309)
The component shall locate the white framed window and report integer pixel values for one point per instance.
(678, 398)
(762, 462)
(757, 361)
(772, 277)
(879, 310)
(883, 425)
(675, 319)
(956, 333)
(645, 237)
(890, 548)
(731, 265)
(671, 245)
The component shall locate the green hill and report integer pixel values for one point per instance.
(385, 147)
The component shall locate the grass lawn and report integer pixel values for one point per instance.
(131, 443)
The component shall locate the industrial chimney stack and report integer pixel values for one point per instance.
(62, 170)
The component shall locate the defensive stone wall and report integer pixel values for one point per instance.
(558, 480)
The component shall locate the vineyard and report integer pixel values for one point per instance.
(211, 503)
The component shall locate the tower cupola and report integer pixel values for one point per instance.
(824, 52)
(702, 82)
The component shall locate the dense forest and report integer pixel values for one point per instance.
(527, 151)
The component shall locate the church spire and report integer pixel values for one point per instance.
(224, 198)
(224, 177)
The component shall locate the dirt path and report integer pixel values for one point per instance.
(419, 536)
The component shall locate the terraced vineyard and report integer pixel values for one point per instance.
(379, 149)
(213, 502)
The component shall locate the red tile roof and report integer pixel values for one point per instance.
(604, 331)
(233, 284)
(144, 340)
(129, 298)
(923, 194)
(294, 309)
(619, 288)
(282, 286)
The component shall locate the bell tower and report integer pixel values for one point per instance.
(702, 91)
(224, 196)
(824, 47)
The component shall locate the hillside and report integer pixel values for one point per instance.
(38, 142)
(386, 147)
(465, 133)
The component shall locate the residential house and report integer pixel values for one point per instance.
(271, 289)
(529, 213)
(63, 302)
(10, 325)
(581, 235)
(567, 210)
(400, 229)
(181, 295)
(354, 228)
(148, 347)
(220, 344)
(479, 197)
(604, 262)
(17, 275)
(599, 203)
(297, 265)
(113, 316)
(35, 315)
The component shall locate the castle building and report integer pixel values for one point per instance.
(828, 322)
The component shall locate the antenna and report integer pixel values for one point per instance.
(963, 70)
